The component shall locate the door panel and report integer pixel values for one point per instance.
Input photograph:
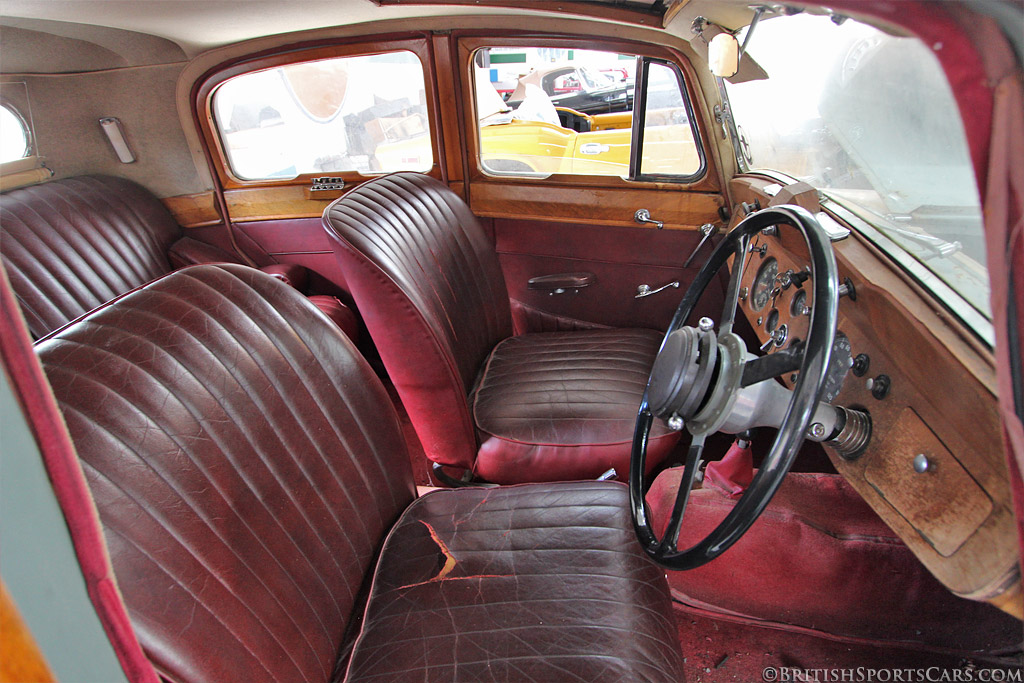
(301, 241)
(621, 259)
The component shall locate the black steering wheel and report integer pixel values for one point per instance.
(707, 381)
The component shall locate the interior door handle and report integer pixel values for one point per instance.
(645, 290)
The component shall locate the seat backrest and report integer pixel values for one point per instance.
(245, 462)
(427, 281)
(70, 245)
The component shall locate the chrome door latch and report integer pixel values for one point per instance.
(644, 216)
(645, 290)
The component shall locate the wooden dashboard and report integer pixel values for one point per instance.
(934, 396)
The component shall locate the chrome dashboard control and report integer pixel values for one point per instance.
(644, 216)
(922, 464)
(847, 289)
(646, 290)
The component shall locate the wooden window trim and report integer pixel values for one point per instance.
(202, 99)
(469, 42)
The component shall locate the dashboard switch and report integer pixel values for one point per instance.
(880, 386)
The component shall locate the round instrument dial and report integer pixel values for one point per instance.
(838, 366)
(799, 302)
(773, 321)
(763, 284)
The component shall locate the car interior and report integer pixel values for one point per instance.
(444, 340)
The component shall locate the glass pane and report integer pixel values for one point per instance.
(668, 138)
(13, 136)
(870, 119)
(551, 110)
(365, 114)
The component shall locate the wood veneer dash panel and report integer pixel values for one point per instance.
(944, 504)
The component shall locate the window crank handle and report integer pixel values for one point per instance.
(644, 216)
(645, 290)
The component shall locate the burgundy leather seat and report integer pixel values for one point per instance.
(70, 245)
(249, 469)
(539, 407)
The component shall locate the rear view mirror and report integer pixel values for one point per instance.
(724, 55)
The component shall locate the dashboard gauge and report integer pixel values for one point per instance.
(838, 366)
(773, 321)
(763, 283)
(796, 307)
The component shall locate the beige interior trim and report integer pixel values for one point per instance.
(22, 172)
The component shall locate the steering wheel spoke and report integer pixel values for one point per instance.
(670, 540)
(732, 293)
(773, 365)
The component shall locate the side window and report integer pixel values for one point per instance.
(544, 111)
(667, 140)
(15, 139)
(366, 114)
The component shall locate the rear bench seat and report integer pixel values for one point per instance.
(71, 245)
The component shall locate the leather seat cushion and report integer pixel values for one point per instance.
(246, 465)
(487, 584)
(71, 245)
(563, 405)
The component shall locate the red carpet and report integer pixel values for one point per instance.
(721, 649)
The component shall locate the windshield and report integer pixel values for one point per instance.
(870, 120)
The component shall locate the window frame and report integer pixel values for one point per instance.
(639, 126)
(206, 120)
(30, 141)
(468, 43)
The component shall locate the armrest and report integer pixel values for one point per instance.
(561, 281)
(293, 274)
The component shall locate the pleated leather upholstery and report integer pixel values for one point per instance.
(562, 405)
(245, 462)
(428, 284)
(70, 245)
(543, 582)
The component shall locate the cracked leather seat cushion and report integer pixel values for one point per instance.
(563, 405)
(245, 463)
(247, 467)
(538, 582)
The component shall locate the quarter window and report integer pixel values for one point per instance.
(15, 141)
(544, 111)
(366, 114)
